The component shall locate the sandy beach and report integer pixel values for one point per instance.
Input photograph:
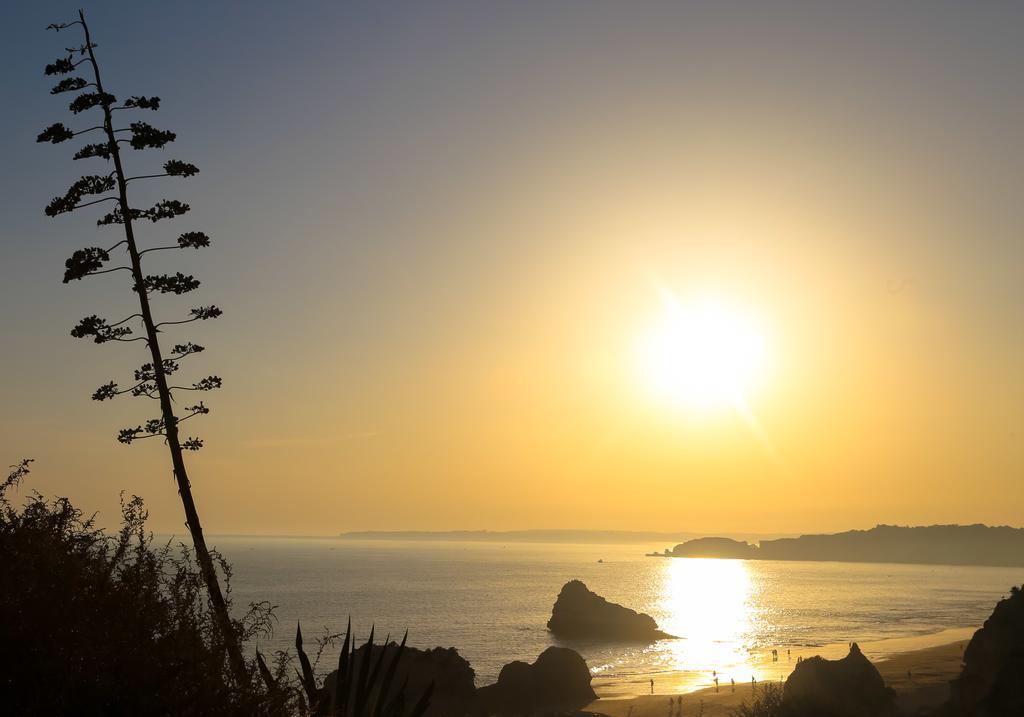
(918, 668)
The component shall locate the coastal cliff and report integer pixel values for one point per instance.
(933, 544)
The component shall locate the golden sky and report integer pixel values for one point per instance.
(438, 249)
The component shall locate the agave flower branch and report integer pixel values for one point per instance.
(150, 380)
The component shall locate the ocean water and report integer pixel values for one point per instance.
(492, 602)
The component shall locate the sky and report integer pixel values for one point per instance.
(441, 230)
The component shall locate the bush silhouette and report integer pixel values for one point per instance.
(99, 624)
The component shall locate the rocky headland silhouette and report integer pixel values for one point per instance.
(929, 545)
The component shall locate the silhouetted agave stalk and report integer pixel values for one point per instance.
(150, 379)
(366, 690)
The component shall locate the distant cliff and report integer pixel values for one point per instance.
(933, 544)
(715, 548)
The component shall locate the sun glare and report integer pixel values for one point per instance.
(703, 354)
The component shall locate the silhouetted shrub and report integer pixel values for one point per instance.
(766, 702)
(769, 700)
(99, 624)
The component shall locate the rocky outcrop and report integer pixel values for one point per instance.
(580, 614)
(454, 689)
(715, 548)
(557, 681)
(850, 687)
(992, 680)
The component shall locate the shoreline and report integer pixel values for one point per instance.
(917, 668)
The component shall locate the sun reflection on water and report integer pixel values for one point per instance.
(710, 605)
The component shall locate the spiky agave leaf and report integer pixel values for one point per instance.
(375, 673)
(307, 677)
(363, 681)
(423, 703)
(389, 676)
(339, 699)
(265, 674)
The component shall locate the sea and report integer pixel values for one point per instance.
(492, 601)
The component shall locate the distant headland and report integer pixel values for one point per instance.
(930, 545)
(539, 536)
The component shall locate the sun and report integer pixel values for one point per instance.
(702, 354)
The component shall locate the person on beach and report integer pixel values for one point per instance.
(652, 686)
(732, 681)
(716, 684)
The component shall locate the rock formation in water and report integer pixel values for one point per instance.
(558, 681)
(454, 689)
(850, 687)
(581, 614)
(992, 681)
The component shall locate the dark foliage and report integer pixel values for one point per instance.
(145, 136)
(99, 624)
(88, 100)
(175, 168)
(69, 84)
(142, 103)
(166, 209)
(55, 134)
(768, 701)
(83, 262)
(61, 66)
(171, 284)
(193, 240)
(91, 184)
(206, 312)
(99, 330)
(93, 150)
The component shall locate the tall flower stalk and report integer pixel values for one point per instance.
(151, 380)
